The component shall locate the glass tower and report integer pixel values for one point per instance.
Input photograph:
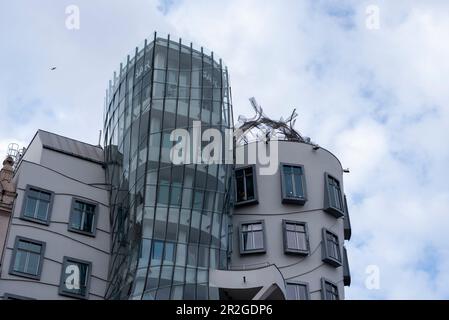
(169, 222)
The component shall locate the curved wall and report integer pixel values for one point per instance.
(169, 222)
(309, 269)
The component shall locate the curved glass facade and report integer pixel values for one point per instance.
(169, 222)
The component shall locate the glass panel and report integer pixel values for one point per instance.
(30, 207)
(34, 193)
(29, 246)
(291, 240)
(32, 266)
(240, 186)
(20, 260)
(249, 187)
(158, 247)
(75, 222)
(88, 222)
(169, 254)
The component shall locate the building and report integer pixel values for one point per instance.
(291, 223)
(125, 222)
(170, 222)
(7, 196)
(58, 241)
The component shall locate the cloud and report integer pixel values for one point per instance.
(377, 98)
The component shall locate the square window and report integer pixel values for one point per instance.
(83, 217)
(37, 205)
(252, 237)
(245, 185)
(333, 201)
(293, 184)
(75, 278)
(329, 290)
(296, 238)
(27, 259)
(331, 248)
(297, 291)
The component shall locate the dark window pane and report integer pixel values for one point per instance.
(258, 239)
(240, 188)
(288, 184)
(20, 261)
(249, 187)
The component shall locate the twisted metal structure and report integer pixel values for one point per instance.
(261, 127)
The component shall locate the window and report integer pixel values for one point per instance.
(27, 258)
(293, 184)
(331, 248)
(333, 201)
(75, 278)
(37, 205)
(252, 237)
(83, 217)
(295, 237)
(245, 185)
(329, 290)
(297, 291)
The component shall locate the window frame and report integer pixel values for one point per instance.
(14, 255)
(298, 283)
(347, 220)
(346, 270)
(24, 203)
(256, 195)
(12, 296)
(325, 281)
(288, 250)
(94, 223)
(61, 290)
(336, 212)
(325, 249)
(244, 251)
(285, 198)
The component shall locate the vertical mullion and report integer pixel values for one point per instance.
(146, 164)
(159, 162)
(136, 178)
(171, 170)
(194, 173)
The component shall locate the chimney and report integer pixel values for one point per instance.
(7, 187)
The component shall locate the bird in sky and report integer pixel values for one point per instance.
(53, 68)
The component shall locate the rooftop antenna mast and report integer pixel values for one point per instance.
(99, 139)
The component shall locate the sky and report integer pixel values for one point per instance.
(369, 80)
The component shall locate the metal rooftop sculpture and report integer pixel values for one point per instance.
(261, 127)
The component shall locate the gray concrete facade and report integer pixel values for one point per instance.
(66, 176)
(310, 268)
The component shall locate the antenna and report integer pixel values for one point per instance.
(99, 139)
